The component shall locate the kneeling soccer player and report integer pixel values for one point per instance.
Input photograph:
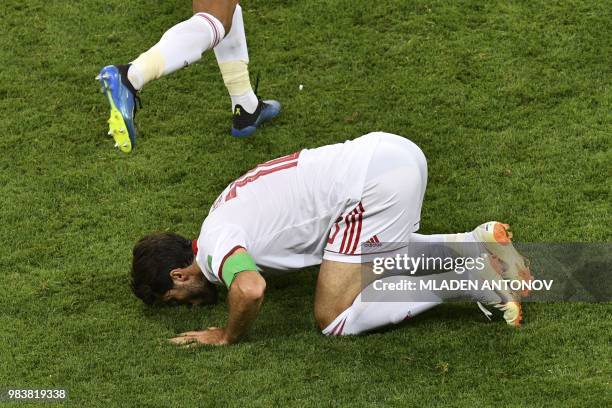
(217, 25)
(316, 206)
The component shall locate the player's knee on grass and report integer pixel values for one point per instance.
(223, 10)
(324, 317)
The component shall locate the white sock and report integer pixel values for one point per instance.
(247, 100)
(233, 59)
(180, 46)
(460, 244)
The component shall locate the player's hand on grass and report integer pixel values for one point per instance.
(213, 335)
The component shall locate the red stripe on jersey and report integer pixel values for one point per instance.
(376, 240)
(359, 222)
(245, 177)
(220, 271)
(194, 246)
(283, 159)
(346, 227)
(243, 182)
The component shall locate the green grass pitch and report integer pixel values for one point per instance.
(510, 100)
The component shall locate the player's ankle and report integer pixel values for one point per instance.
(247, 100)
(134, 76)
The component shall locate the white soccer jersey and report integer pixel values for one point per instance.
(282, 211)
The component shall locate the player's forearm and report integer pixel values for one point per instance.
(245, 298)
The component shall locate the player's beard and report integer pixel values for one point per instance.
(201, 292)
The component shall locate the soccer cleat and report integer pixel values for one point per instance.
(497, 240)
(122, 98)
(504, 300)
(504, 262)
(244, 123)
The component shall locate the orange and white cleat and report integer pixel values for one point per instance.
(505, 262)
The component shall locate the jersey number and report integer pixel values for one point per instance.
(269, 167)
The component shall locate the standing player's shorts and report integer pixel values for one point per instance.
(390, 206)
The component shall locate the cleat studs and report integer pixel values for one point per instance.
(98, 77)
(116, 144)
(110, 133)
(122, 131)
(124, 145)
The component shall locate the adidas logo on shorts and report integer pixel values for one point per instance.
(372, 242)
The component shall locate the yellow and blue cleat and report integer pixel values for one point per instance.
(122, 99)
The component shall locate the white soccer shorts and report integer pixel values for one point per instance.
(390, 206)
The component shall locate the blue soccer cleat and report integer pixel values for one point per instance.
(244, 123)
(122, 98)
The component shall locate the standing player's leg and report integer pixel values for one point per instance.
(184, 43)
(233, 58)
(180, 46)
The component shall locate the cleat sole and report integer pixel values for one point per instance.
(246, 132)
(116, 124)
(513, 313)
(497, 239)
(509, 264)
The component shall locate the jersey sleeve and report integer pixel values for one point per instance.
(216, 247)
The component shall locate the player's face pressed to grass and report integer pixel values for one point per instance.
(163, 272)
(190, 288)
(217, 25)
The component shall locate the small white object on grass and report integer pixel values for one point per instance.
(301, 87)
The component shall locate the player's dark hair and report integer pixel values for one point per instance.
(153, 257)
